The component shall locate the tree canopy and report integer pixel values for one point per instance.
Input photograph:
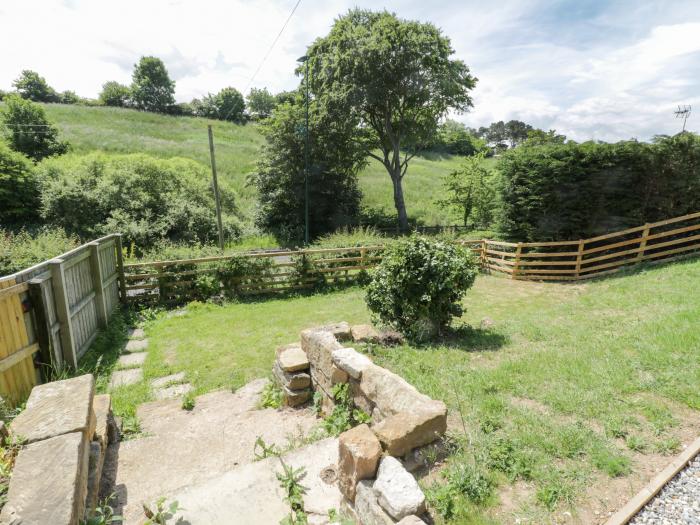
(227, 104)
(151, 88)
(394, 79)
(27, 129)
(261, 102)
(115, 94)
(32, 86)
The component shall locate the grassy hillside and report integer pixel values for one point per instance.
(237, 147)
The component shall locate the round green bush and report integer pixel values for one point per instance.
(417, 287)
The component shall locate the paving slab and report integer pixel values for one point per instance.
(57, 408)
(132, 360)
(172, 379)
(136, 333)
(173, 391)
(135, 345)
(125, 377)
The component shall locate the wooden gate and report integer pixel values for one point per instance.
(17, 372)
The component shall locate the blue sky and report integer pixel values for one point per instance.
(590, 69)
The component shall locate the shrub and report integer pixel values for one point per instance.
(115, 94)
(227, 104)
(28, 129)
(145, 198)
(418, 286)
(22, 250)
(19, 190)
(472, 193)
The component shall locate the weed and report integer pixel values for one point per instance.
(343, 417)
(558, 487)
(160, 514)
(271, 396)
(471, 481)
(131, 427)
(637, 444)
(8, 454)
(262, 450)
(667, 446)
(290, 481)
(188, 401)
(318, 402)
(103, 513)
(614, 465)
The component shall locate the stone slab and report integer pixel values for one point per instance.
(294, 398)
(172, 379)
(401, 433)
(365, 333)
(95, 462)
(58, 408)
(49, 482)
(291, 380)
(411, 520)
(125, 377)
(293, 359)
(173, 391)
(367, 509)
(359, 451)
(136, 345)
(136, 333)
(397, 491)
(353, 362)
(341, 331)
(390, 392)
(102, 406)
(132, 360)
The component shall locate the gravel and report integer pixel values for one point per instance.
(678, 503)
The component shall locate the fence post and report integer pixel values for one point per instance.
(482, 256)
(516, 266)
(97, 284)
(579, 257)
(363, 255)
(120, 268)
(42, 326)
(63, 312)
(643, 243)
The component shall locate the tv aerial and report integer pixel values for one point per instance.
(683, 112)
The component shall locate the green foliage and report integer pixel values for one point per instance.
(32, 86)
(160, 514)
(366, 68)
(69, 97)
(24, 249)
(262, 450)
(28, 131)
(472, 193)
(19, 189)
(271, 396)
(334, 162)
(115, 94)
(227, 104)
(145, 198)
(462, 480)
(418, 286)
(103, 513)
(188, 401)
(569, 191)
(453, 137)
(344, 416)
(8, 453)
(240, 271)
(151, 87)
(260, 103)
(290, 481)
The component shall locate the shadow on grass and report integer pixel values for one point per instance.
(470, 339)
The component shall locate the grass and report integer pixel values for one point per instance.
(568, 390)
(237, 149)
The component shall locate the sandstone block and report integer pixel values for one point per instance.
(295, 398)
(359, 452)
(173, 391)
(171, 379)
(125, 377)
(391, 393)
(351, 361)
(102, 406)
(286, 347)
(95, 463)
(338, 375)
(293, 359)
(367, 509)
(400, 433)
(341, 330)
(319, 346)
(359, 399)
(364, 333)
(411, 520)
(49, 482)
(135, 345)
(397, 491)
(292, 380)
(132, 360)
(58, 408)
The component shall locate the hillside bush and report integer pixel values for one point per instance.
(115, 94)
(471, 192)
(145, 198)
(569, 191)
(418, 285)
(19, 189)
(32, 86)
(23, 249)
(227, 104)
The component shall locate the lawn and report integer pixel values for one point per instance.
(237, 149)
(571, 400)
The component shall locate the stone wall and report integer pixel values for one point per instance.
(66, 430)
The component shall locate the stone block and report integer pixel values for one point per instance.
(397, 491)
(351, 361)
(359, 399)
(95, 463)
(293, 359)
(411, 520)
(338, 375)
(341, 331)
(102, 405)
(295, 398)
(282, 348)
(400, 433)
(135, 345)
(58, 408)
(125, 377)
(364, 333)
(49, 482)
(292, 380)
(136, 333)
(173, 391)
(132, 360)
(359, 452)
(367, 508)
(319, 346)
(165, 381)
(391, 393)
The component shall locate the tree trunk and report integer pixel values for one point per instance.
(399, 201)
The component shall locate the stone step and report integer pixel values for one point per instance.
(172, 379)
(135, 345)
(132, 360)
(173, 391)
(125, 377)
(136, 333)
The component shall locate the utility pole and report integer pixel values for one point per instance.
(683, 112)
(216, 188)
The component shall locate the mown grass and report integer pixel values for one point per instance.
(567, 386)
(237, 149)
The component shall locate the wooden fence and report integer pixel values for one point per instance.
(50, 313)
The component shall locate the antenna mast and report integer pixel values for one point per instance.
(683, 112)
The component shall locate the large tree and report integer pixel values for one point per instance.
(227, 104)
(151, 87)
(394, 79)
(32, 86)
(261, 102)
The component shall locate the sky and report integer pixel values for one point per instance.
(591, 69)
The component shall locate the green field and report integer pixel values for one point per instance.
(571, 401)
(237, 148)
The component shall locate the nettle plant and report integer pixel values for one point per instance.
(418, 286)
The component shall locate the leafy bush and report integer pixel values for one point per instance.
(227, 104)
(241, 271)
(23, 249)
(19, 189)
(472, 193)
(115, 94)
(145, 198)
(418, 285)
(28, 129)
